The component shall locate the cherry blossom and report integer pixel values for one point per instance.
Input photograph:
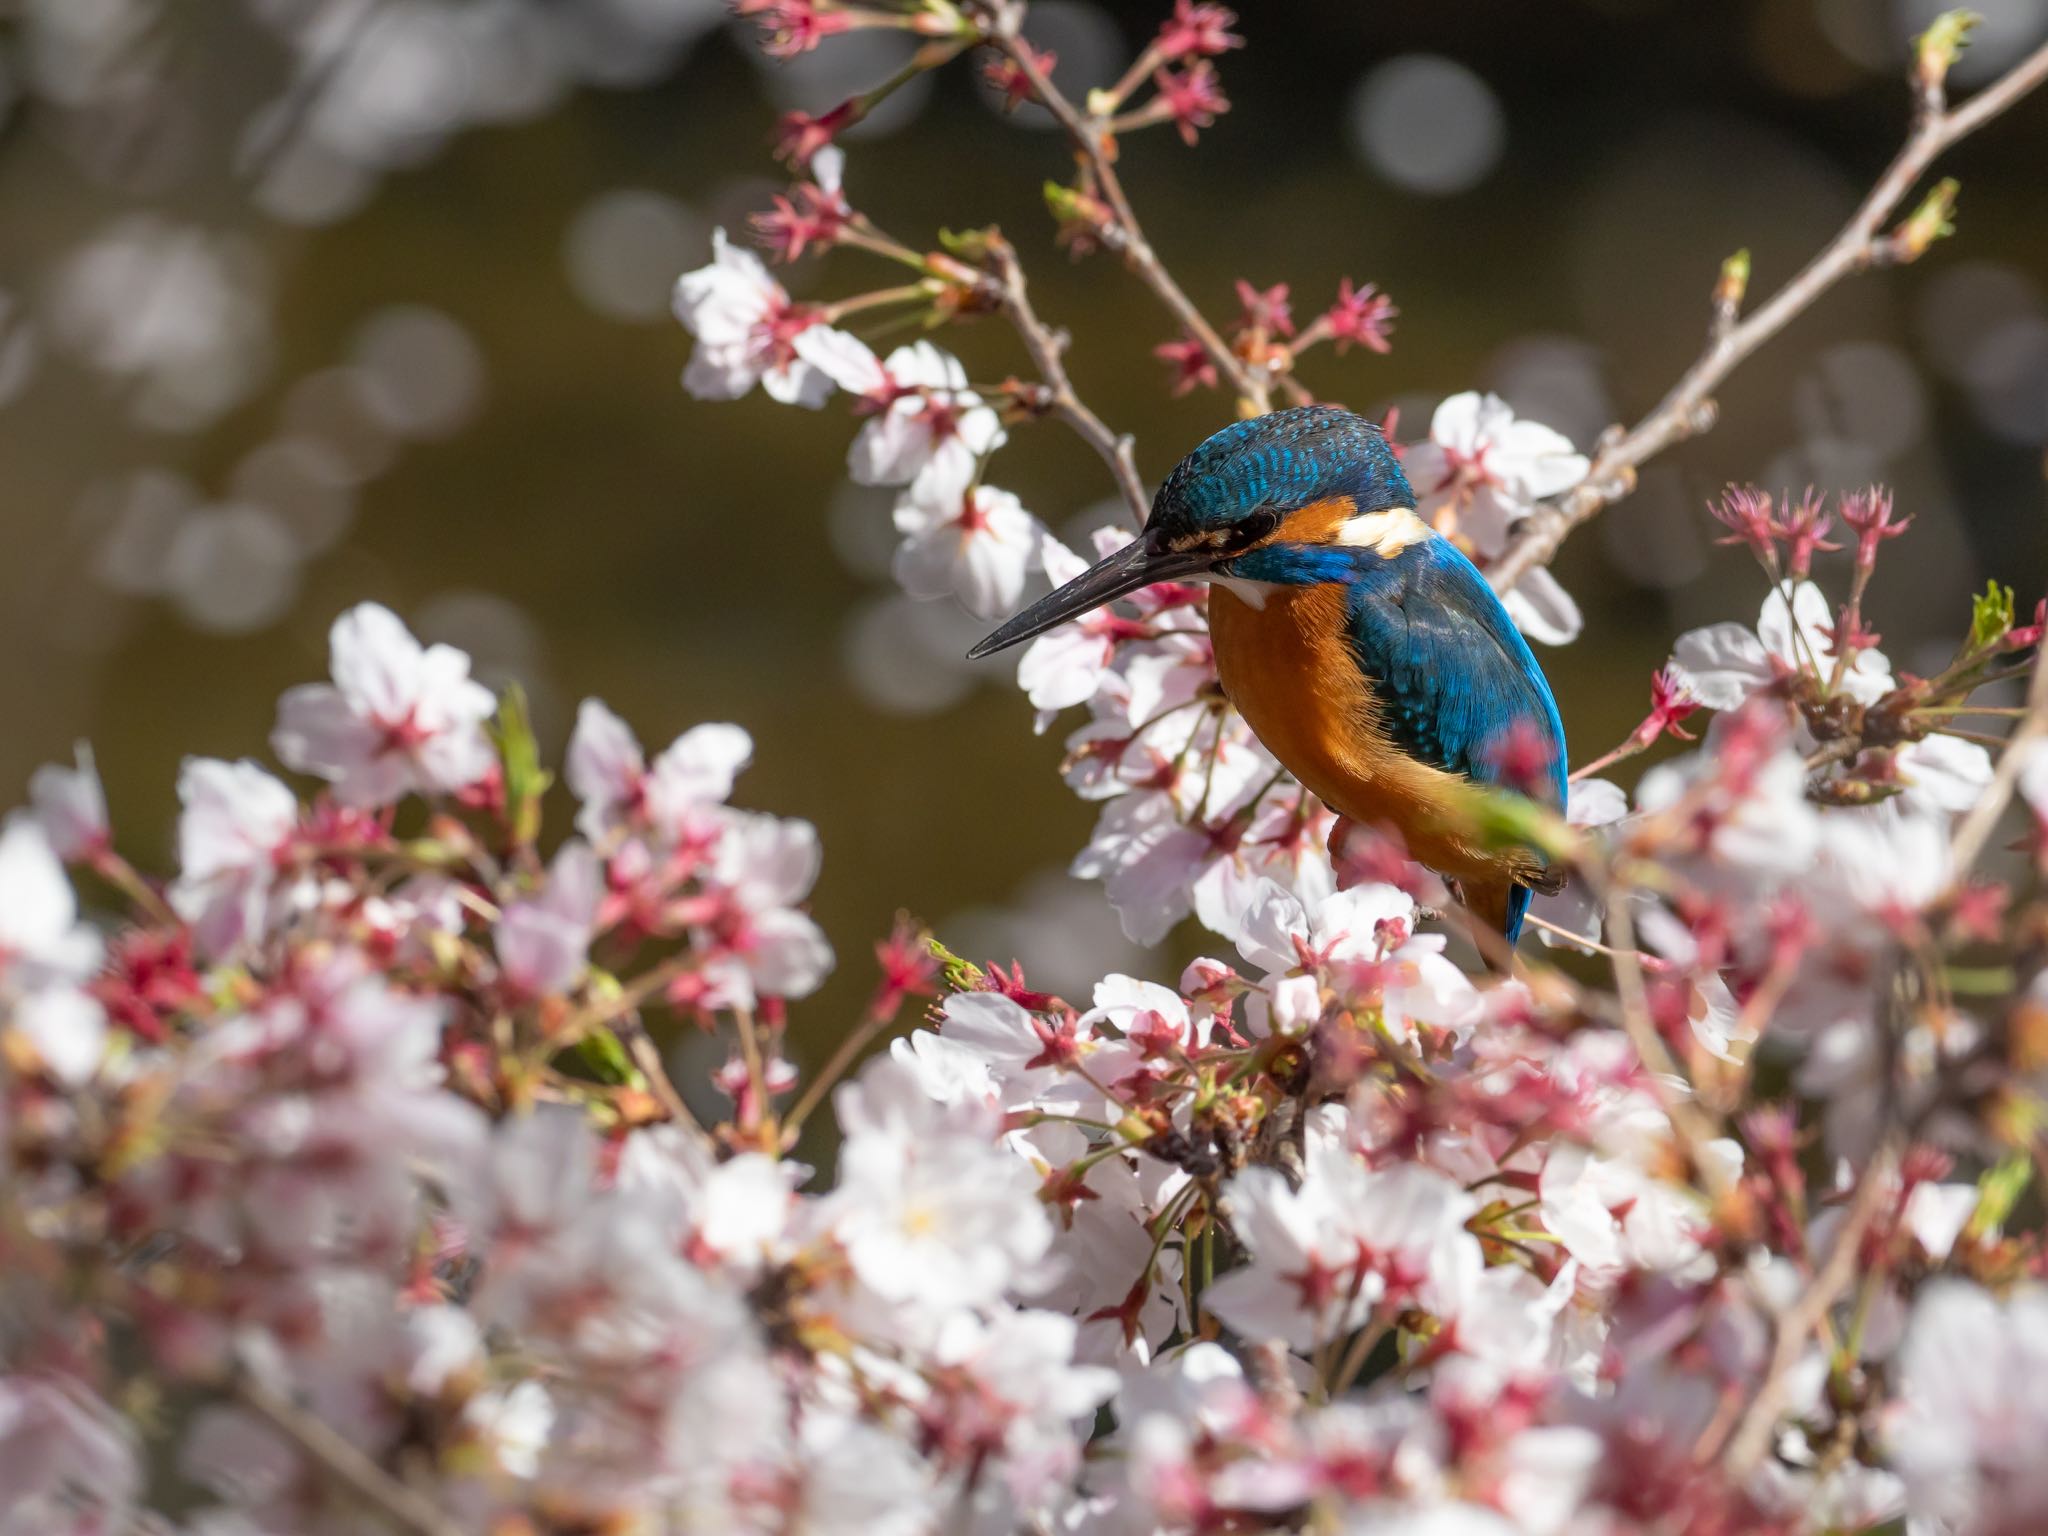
(543, 942)
(760, 942)
(1962, 1430)
(1724, 664)
(610, 775)
(977, 545)
(72, 808)
(1326, 1256)
(400, 718)
(747, 329)
(931, 1211)
(394, 1156)
(925, 429)
(46, 955)
(1482, 469)
(237, 820)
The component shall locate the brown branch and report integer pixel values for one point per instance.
(1975, 831)
(1094, 143)
(1688, 409)
(343, 1465)
(1689, 1124)
(646, 1056)
(1047, 348)
(1796, 1324)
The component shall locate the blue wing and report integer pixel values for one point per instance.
(1448, 664)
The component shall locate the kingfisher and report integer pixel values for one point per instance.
(1360, 645)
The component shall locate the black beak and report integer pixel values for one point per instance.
(1137, 564)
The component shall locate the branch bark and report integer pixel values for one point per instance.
(1975, 831)
(1047, 349)
(1094, 144)
(1752, 1435)
(343, 1465)
(1688, 408)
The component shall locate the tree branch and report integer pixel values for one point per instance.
(1046, 348)
(1975, 831)
(1751, 1437)
(1092, 140)
(1689, 1124)
(1688, 409)
(342, 1464)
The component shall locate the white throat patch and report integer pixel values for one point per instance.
(1386, 532)
(1252, 594)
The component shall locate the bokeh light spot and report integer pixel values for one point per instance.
(1428, 124)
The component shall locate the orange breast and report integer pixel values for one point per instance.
(1289, 669)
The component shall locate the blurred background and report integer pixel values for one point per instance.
(304, 302)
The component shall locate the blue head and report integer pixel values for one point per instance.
(1248, 478)
(1257, 494)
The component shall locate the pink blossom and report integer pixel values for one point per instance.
(1481, 470)
(925, 428)
(1190, 363)
(398, 719)
(747, 328)
(1362, 315)
(1192, 98)
(543, 943)
(72, 808)
(1264, 309)
(976, 545)
(237, 822)
(1198, 27)
(609, 774)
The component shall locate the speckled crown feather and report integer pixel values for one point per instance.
(1282, 461)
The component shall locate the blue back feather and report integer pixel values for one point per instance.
(1451, 672)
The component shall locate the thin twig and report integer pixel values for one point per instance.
(1567, 937)
(1975, 832)
(342, 1464)
(1687, 410)
(1091, 140)
(1796, 1324)
(1046, 348)
(843, 1056)
(1687, 1122)
(646, 1055)
(750, 1049)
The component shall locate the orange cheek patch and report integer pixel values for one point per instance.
(1316, 523)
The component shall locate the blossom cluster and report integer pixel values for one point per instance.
(351, 1137)
(351, 1180)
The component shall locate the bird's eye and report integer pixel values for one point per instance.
(1231, 537)
(1262, 523)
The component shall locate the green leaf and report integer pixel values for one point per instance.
(1933, 220)
(961, 975)
(525, 780)
(967, 244)
(600, 1054)
(1936, 49)
(1991, 616)
(1998, 1190)
(1064, 203)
